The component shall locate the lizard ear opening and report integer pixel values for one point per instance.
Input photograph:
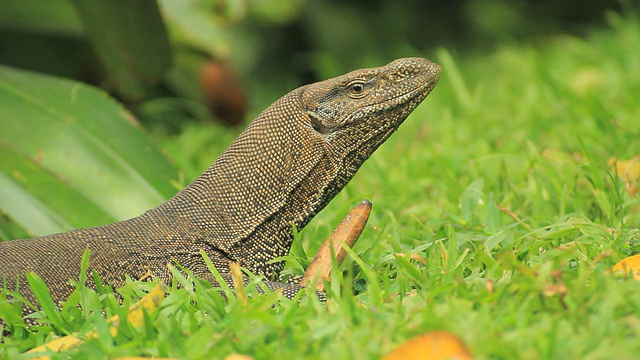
(317, 125)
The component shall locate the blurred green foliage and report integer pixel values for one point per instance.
(498, 221)
(174, 61)
(72, 157)
(267, 47)
(171, 62)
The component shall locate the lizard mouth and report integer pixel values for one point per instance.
(421, 91)
(410, 100)
(418, 85)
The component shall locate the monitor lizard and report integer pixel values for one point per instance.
(278, 174)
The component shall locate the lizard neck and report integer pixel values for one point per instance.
(271, 178)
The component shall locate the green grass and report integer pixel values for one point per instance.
(528, 129)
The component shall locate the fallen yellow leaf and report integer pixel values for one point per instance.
(238, 357)
(135, 316)
(143, 358)
(238, 281)
(435, 345)
(629, 171)
(136, 312)
(347, 232)
(628, 265)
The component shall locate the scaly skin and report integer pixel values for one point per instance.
(279, 173)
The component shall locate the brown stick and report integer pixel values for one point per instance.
(348, 233)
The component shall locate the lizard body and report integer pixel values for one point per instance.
(282, 170)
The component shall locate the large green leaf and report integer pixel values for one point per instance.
(72, 157)
(194, 24)
(40, 16)
(131, 41)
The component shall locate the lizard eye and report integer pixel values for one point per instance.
(356, 89)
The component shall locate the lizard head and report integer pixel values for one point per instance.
(356, 112)
(375, 100)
